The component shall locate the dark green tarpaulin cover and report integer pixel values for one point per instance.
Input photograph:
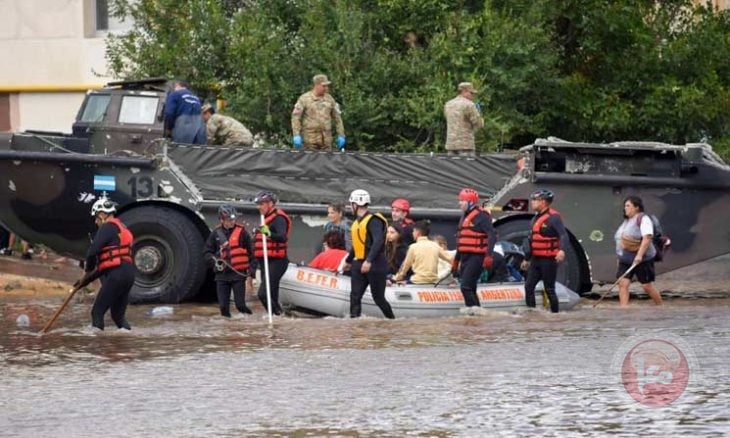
(309, 177)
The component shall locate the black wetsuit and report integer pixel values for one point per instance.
(227, 279)
(471, 263)
(116, 282)
(545, 268)
(375, 254)
(277, 266)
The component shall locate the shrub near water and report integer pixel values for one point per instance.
(583, 71)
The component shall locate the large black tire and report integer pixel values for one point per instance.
(569, 272)
(168, 254)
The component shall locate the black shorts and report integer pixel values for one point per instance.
(644, 271)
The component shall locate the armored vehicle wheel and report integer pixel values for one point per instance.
(569, 273)
(168, 255)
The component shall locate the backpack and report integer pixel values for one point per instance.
(660, 241)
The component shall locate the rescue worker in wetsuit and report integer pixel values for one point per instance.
(400, 208)
(475, 239)
(367, 256)
(229, 250)
(111, 253)
(545, 250)
(276, 227)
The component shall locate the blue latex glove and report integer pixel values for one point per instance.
(297, 141)
(265, 230)
(478, 106)
(340, 142)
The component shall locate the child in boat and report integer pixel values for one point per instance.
(333, 252)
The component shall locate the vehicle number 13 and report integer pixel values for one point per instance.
(140, 186)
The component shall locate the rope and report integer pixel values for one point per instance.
(221, 262)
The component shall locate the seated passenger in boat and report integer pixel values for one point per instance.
(395, 253)
(422, 257)
(333, 252)
(444, 266)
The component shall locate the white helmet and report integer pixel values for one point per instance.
(360, 197)
(104, 205)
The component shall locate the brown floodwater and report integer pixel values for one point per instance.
(193, 373)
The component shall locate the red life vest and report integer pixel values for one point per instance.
(540, 245)
(275, 250)
(469, 240)
(113, 255)
(234, 254)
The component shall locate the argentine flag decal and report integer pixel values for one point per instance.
(104, 182)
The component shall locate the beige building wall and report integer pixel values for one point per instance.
(51, 54)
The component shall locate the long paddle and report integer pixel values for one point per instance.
(631, 268)
(266, 272)
(83, 282)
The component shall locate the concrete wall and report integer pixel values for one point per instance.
(51, 53)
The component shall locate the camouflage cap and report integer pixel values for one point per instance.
(207, 107)
(467, 86)
(321, 79)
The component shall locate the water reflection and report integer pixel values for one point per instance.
(193, 373)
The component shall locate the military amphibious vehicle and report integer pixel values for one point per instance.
(169, 193)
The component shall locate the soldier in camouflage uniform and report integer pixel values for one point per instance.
(311, 120)
(462, 119)
(224, 130)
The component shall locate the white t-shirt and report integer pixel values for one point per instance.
(647, 226)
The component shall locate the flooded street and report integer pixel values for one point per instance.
(194, 374)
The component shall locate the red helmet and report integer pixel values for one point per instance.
(401, 204)
(469, 195)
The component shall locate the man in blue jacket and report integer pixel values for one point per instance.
(183, 120)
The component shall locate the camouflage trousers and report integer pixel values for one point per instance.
(239, 138)
(317, 140)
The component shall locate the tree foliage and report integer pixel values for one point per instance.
(588, 70)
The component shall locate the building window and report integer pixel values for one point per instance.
(102, 14)
(105, 21)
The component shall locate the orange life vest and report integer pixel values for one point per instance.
(114, 255)
(541, 245)
(234, 254)
(274, 250)
(469, 240)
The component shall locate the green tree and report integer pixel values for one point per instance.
(589, 70)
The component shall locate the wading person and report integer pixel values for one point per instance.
(276, 228)
(367, 257)
(111, 254)
(462, 120)
(230, 251)
(224, 130)
(475, 239)
(313, 115)
(634, 247)
(183, 121)
(545, 250)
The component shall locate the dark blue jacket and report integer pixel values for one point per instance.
(178, 103)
